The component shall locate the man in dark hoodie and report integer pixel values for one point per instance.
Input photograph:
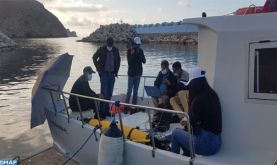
(135, 58)
(165, 81)
(81, 86)
(107, 62)
(205, 118)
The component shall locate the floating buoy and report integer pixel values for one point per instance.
(111, 146)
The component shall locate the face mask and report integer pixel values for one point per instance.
(89, 77)
(164, 71)
(109, 48)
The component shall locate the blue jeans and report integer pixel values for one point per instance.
(133, 84)
(107, 84)
(206, 143)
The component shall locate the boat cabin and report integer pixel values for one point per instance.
(239, 54)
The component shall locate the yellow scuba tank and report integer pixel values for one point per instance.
(132, 134)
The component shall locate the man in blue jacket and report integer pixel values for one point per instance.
(107, 62)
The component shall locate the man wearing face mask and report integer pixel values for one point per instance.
(107, 62)
(81, 86)
(165, 81)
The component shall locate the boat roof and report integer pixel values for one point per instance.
(235, 23)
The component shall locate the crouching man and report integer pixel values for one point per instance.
(81, 87)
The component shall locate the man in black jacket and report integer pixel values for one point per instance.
(181, 90)
(107, 62)
(135, 58)
(81, 86)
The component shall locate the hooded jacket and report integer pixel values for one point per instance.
(170, 77)
(204, 107)
(135, 59)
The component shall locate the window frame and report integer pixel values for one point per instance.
(251, 70)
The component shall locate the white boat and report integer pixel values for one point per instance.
(239, 54)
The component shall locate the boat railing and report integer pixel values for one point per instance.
(250, 7)
(117, 103)
(145, 80)
(275, 161)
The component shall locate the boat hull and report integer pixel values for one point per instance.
(69, 136)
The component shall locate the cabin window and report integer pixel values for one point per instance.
(263, 71)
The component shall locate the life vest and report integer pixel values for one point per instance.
(120, 109)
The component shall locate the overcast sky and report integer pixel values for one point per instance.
(84, 16)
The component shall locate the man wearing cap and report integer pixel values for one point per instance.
(135, 58)
(81, 86)
(205, 118)
(107, 62)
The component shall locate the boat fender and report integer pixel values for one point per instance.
(111, 146)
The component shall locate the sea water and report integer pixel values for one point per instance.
(19, 68)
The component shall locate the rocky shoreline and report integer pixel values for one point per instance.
(121, 32)
(71, 33)
(6, 42)
(174, 38)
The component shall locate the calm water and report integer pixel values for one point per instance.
(18, 70)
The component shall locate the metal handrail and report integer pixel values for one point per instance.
(135, 106)
(252, 5)
(275, 161)
(144, 81)
(125, 104)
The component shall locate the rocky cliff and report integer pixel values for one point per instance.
(71, 33)
(119, 32)
(28, 18)
(6, 42)
(173, 38)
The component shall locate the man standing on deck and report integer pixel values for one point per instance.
(135, 58)
(107, 62)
